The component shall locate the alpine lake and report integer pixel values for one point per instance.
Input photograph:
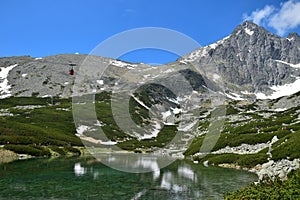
(87, 178)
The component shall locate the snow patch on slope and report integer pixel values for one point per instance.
(140, 102)
(4, 86)
(100, 82)
(28, 107)
(214, 45)
(122, 64)
(290, 64)
(202, 51)
(166, 114)
(234, 96)
(95, 141)
(281, 90)
(81, 129)
(248, 31)
(154, 132)
(280, 109)
(246, 92)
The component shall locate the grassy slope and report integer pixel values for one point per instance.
(38, 131)
(53, 127)
(240, 132)
(48, 129)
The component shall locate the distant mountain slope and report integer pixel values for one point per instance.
(251, 63)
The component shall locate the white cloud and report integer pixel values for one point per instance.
(287, 18)
(258, 15)
(282, 20)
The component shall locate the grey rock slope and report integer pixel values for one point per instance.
(34, 76)
(248, 61)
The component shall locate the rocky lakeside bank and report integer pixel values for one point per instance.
(272, 168)
(7, 156)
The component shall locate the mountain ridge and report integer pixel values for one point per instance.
(250, 60)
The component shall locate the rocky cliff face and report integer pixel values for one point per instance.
(250, 61)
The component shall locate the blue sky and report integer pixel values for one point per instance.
(47, 27)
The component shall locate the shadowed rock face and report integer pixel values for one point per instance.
(249, 59)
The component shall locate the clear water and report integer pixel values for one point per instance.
(85, 178)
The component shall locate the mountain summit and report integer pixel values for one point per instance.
(248, 28)
(251, 59)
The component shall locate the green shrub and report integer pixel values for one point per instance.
(15, 139)
(223, 158)
(252, 160)
(230, 110)
(236, 140)
(58, 150)
(268, 189)
(195, 146)
(287, 146)
(28, 149)
(42, 126)
(72, 150)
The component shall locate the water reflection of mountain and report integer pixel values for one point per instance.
(180, 180)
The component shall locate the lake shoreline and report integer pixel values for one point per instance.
(271, 169)
(8, 156)
(85, 177)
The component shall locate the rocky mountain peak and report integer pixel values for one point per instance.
(293, 37)
(248, 28)
(253, 59)
(254, 35)
(248, 24)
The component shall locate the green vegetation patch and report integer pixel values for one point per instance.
(32, 128)
(288, 146)
(28, 149)
(268, 189)
(245, 160)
